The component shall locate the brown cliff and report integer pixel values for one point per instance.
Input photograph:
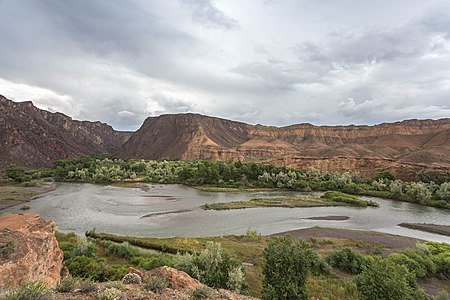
(34, 254)
(405, 148)
(31, 137)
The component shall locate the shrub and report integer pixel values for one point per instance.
(412, 265)
(66, 285)
(25, 207)
(110, 294)
(202, 292)
(7, 249)
(30, 291)
(212, 267)
(384, 280)
(156, 284)
(132, 278)
(347, 260)
(123, 250)
(318, 265)
(152, 262)
(85, 248)
(87, 286)
(83, 266)
(285, 269)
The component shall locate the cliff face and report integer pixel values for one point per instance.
(31, 137)
(404, 147)
(33, 254)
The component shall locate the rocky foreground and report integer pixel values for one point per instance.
(29, 251)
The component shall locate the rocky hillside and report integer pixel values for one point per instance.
(31, 137)
(28, 251)
(404, 147)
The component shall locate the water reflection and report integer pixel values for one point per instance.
(118, 210)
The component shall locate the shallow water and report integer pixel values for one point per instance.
(118, 210)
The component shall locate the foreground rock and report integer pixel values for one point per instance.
(180, 286)
(28, 250)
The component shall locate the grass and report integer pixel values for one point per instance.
(328, 199)
(340, 197)
(11, 193)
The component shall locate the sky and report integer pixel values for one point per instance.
(273, 62)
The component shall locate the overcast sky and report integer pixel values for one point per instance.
(274, 62)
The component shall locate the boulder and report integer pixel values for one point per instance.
(29, 250)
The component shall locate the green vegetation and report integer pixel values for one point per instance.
(214, 267)
(328, 199)
(7, 249)
(285, 269)
(347, 260)
(30, 291)
(433, 190)
(384, 280)
(339, 197)
(156, 284)
(202, 292)
(25, 207)
(66, 285)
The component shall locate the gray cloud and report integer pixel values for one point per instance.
(292, 62)
(204, 12)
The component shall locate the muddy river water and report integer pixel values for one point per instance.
(119, 210)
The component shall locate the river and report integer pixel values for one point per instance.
(120, 210)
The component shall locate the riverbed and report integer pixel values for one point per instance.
(156, 210)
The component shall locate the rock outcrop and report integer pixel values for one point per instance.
(31, 137)
(405, 148)
(32, 251)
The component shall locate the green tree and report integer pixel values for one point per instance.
(285, 268)
(385, 280)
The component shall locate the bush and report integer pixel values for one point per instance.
(87, 286)
(66, 285)
(30, 291)
(412, 265)
(156, 284)
(202, 292)
(347, 260)
(85, 248)
(110, 294)
(25, 207)
(131, 278)
(285, 269)
(7, 249)
(123, 250)
(213, 267)
(95, 269)
(384, 280)
(152, 262)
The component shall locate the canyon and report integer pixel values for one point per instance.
(31, 138)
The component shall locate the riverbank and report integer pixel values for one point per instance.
(432, 228)
(16, 194)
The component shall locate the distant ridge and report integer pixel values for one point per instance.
(32, 137)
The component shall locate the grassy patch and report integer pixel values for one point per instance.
(340, 197)
(328, 199)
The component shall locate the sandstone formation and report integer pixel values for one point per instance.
(405, 148)
(34, 254)
(31, 137)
